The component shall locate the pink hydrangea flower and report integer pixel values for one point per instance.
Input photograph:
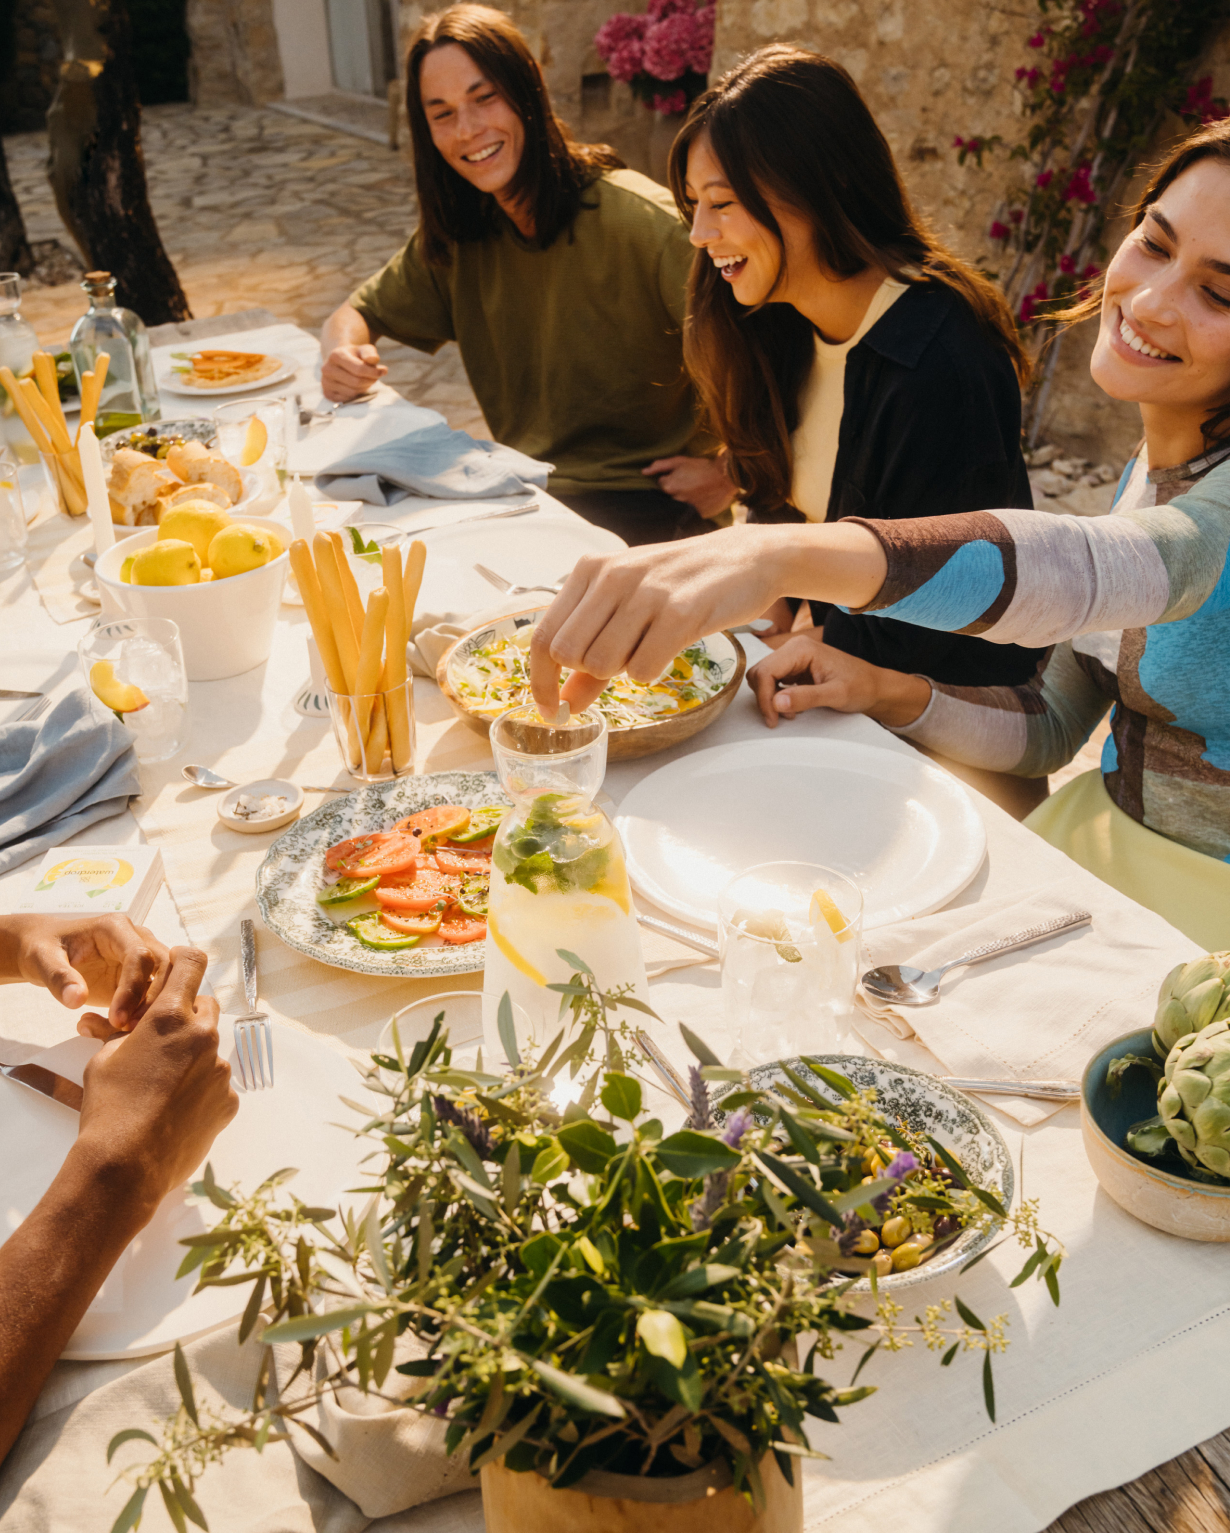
(620, 43)
(672, 104)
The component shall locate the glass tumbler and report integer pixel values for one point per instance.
(12, 515)
(375, 731)
(135, 666)
(789, 935)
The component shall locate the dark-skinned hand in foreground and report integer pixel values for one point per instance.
(154, 1100)
(634, 611)
(105, 960)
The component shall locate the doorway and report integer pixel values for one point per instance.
(361, 45)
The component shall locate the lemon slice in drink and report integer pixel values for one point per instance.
(255, 440)
(824, 908)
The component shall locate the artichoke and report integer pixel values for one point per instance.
(1192, 996)
(1194, 1103)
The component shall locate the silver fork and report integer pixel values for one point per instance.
(34, 711)
(509, 589)
(252, 1031)
(306, 417)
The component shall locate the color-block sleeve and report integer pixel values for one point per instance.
(1034, 578)
(1031, 730)
(408, 300)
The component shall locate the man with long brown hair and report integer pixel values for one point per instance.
(560, 274)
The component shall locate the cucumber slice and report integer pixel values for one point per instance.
(472, 896)
(372, 932)
(346, 890)
(482, 822)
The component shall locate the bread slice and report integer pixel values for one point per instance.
(171, 497)
(195, 465)
(135, 479)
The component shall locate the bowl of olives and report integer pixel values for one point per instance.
(156, 438)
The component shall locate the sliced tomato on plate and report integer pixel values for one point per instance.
(422, 924)
(451, 859)
(379, 852)
(425, 891)
(435, 824)
(457, 927)
(483, 845)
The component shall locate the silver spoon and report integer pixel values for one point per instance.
(902, 985)
(205, 777)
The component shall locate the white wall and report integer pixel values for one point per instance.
(303, 42)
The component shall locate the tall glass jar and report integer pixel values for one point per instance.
(558, 878)
(130, 394)
(18, 343)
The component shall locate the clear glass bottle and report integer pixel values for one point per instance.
(558, 878)
(130, 394)
(18, 343)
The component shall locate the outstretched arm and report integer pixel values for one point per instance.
(154, 1100)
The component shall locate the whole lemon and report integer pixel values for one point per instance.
(238, 549)
(168, 562)
(197, 522)
(126, 570)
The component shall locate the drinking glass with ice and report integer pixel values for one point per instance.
(135, 667)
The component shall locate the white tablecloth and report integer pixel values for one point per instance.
(1126, 1374)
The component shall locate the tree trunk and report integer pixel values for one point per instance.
(97, 169)
(15, 254)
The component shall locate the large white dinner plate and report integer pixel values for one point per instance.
(142, 1308)
(172, 383)
(293, 874)
(541, 545)
(906, 832)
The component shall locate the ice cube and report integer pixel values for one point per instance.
(144, 663)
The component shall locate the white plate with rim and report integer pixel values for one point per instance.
(172, 383)
(142, 1308)
(904, 830)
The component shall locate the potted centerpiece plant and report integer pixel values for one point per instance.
(601, 1312)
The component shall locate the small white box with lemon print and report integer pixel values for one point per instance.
(95, 880)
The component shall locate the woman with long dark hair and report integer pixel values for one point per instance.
(846, 358)
(560, 275)
(1134, 607)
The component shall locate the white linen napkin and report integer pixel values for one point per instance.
(1035, 1014)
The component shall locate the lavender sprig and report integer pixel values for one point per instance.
(701, 1116)
(470, 1124)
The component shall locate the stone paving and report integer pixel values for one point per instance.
(260, 209)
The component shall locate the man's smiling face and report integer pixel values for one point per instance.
(472, 124)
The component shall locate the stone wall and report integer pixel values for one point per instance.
(235, 55)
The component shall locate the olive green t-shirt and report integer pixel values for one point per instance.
(575, 352)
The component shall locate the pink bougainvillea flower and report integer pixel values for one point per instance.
(1067, 264)
(1031, 301)
(1036, 41)
(1016, 215)
(1044, 179)
(1000, 231)
(1091, 271)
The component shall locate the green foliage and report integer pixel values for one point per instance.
(585, 1293)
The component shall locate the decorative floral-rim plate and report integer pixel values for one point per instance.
(927, 1106)
(292, 874)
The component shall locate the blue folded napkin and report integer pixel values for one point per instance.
(434, 461)
(59, 774)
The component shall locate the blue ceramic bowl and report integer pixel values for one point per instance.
(1193, 1210)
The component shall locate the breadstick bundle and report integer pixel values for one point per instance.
(37, 401)
(363, 649)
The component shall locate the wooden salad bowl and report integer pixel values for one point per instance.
(623, 744)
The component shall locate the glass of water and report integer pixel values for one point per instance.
(789, 935)
(135, 667)
(12, 515)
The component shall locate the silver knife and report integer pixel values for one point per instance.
(464, 521)
(247, 961)
(46, 1082)
(704, 945)
(7, 695)
(663, 1068)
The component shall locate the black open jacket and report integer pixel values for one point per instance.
(931, 425)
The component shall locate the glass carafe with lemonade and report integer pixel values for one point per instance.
(558, 879)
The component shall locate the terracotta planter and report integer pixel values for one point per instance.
(703, 1502)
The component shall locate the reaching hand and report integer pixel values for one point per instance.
(156, 1098)
(349, 371)
(103, 959)
(807, 673)
(699, 482)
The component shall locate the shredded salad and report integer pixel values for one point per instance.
(492, 677)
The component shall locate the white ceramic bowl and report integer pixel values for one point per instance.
(278, 785)
(225, 626)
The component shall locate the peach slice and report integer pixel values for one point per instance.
(116, 695)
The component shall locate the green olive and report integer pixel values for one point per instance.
(867, 1244)
(873, 1165)
(895, 1231)
(905, 1257)
(882, 1261)
(923, 1242)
